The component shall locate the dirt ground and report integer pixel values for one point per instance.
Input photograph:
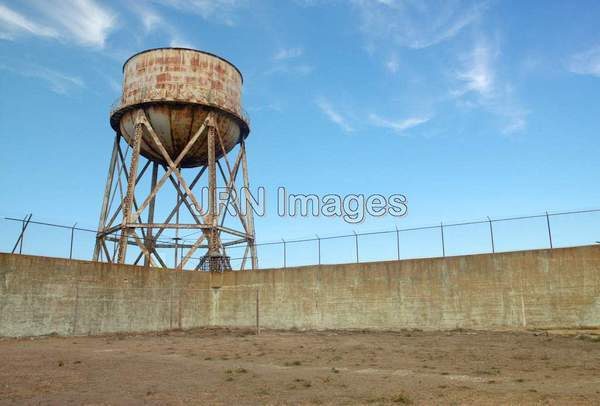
(223, 366)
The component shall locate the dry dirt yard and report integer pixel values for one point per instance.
(223, 366)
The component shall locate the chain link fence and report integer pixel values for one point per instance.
(547, 230)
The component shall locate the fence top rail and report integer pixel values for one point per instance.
(53, 225)
(117, 235)
(437, 226)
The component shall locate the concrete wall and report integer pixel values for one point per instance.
(528, 289)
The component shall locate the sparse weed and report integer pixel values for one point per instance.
(402, 398)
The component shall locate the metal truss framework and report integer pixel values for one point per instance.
(123, 224)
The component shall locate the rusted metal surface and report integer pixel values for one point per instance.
(177, 88)
(183, 75)
(128, 202)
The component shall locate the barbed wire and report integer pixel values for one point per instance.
(285, 242)
(332, 237)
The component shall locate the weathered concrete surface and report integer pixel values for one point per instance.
(530, 289)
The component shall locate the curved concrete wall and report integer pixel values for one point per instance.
(557, 288)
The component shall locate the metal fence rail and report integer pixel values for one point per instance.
(581, 228)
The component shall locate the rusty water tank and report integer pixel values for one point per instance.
(177, 88)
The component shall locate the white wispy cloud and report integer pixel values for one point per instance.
(302, 69)
(149, 17)
(152, 20)
(308, 3)
(177, 42)
(416, 24)
(13, 23)
(274, 106)
(398, 126)
(480, 85)
(333, 115)
(84, 21)
(392, 64)
(58, 82)
(477, 74)
(290, 61)
(222, 11)
(288, 53)
(586, 62)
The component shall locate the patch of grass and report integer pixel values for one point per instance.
(402, 398)
(263, 392)
(457, 330)
(520, 380)
(293, 364)
(241, 370)
(229, 378)
(491, 371)
(303, 382)
(376, 400)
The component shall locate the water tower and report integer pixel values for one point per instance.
(180, 109)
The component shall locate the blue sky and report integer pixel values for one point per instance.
(469, 108)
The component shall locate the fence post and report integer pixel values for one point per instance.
(22, 236)
(284, 254)
(257, 313)
(443, 243)
(398, 242)
(319, 247)
(492, 235)
(19, 243)
(549, 231)
(356, 245)
(72, 235)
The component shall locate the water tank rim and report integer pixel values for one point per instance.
(184, 49)
(117, 113)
